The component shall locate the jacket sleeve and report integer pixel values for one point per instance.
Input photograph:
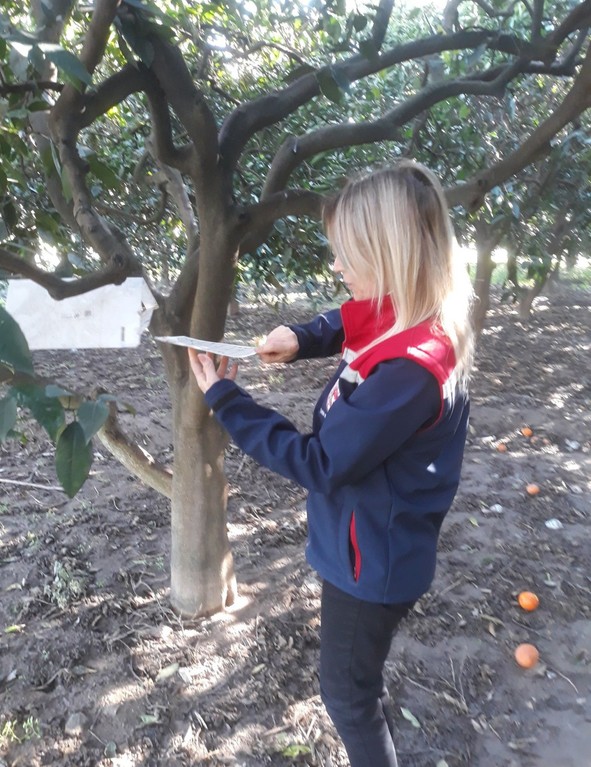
(322, 337)
(357, 435)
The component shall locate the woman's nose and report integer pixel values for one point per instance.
(336, 265)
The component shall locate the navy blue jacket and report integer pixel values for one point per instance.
(382, 463)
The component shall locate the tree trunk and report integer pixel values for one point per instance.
(202, 571)
(484, 270)
(487, 238)
(527, 297)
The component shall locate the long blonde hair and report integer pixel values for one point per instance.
(392, 228)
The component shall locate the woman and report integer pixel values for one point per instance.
(382, 463)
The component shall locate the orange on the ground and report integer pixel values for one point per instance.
(527, 655)
(528, 600)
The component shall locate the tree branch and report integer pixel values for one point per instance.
(267, 110)
(471, 194)
(111, 92)
(154, 218)
(189, 104)
(164, 149)
(537, 18)
(30, 86)
(258, 47)
(295, 150)
(578, 18)
(135, 459)
(380, 23)
(65, 123)
(182, 295)
(296, 202)
(57, 288)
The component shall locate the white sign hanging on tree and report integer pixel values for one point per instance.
(111, 317)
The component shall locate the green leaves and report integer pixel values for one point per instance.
(14, 349)
(49, 404)
(73, 458)
(92, 414)
(47, 411)
(103, 172)
(69, 65)
(333, 84)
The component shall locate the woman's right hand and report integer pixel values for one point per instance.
(281, 345)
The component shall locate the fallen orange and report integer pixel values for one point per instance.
(502, 447)
(528, 600)
(527, 431)
(532, 489)
(527, 655)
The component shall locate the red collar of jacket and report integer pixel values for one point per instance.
(425, 344)
(363, 322)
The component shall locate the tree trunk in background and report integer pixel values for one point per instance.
(487, 239)
(527, 297)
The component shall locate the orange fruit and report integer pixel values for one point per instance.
(532, 489)
(527, 655)
(502, 447)
(528, 600)
(527, 431)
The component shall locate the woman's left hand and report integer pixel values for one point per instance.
(205, 371)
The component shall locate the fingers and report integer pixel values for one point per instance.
(205, 371)
(281, 345)
(196, 367)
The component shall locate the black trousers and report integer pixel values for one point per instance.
(354, 644)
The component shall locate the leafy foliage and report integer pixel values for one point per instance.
(50, 405)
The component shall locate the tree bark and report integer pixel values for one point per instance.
(484, 270)
(527, 297)
(487, 239)
(202, 570)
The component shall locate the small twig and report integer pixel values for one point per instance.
(567, 679)
(461, 705)
(31, 484)
(239, 470)
(450, 587)
(529, 628)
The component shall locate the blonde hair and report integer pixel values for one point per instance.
(392, 228)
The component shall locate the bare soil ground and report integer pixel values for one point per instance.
(95, 669)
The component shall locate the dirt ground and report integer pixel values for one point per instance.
(95, 669)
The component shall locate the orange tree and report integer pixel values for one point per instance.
(245, 114)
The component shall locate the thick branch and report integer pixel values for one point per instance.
(296, 202)
(182, 295)
(57, 288)
(189, 104)
(111, 92)
(380, 23)
(537, 18)
(578, 18)
(65, 123)
(135, 459)
(184, 158)
(97, 36)
(295, 150)
(577, 100)
(30, 86)
(269, 109)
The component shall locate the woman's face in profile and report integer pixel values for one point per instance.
(359, 287)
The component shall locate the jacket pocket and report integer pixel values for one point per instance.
(354, 550)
